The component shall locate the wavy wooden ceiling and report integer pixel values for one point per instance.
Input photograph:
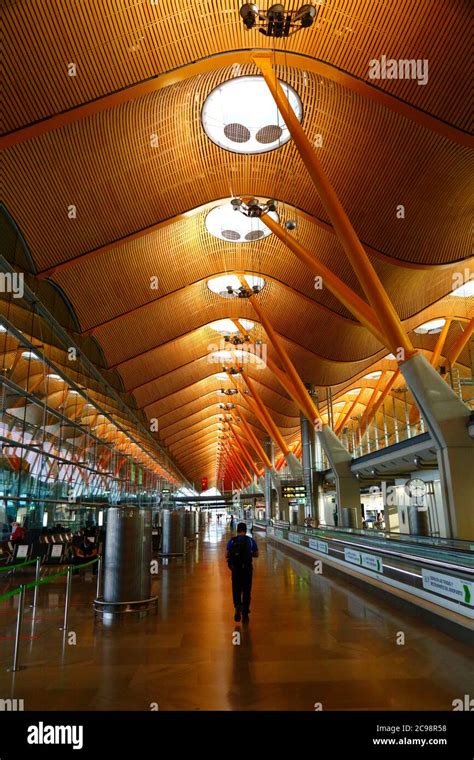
(141, 209)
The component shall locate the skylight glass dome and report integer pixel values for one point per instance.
(228, 224)
(227, 326)
(432, 327)
(227, 285)
(240, 115)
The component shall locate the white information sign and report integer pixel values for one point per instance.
(370, 561)
(448, 585)
(319, 546)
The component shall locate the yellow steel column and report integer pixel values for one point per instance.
(285, 360)
(244, 451)
(460, 343)
(255, 442)
(368, 278)
(301, 401)
(270, 423)
(341, 424)
(356, 305)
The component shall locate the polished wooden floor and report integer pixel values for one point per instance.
(311, 639)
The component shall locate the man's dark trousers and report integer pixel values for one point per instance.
(242, 588)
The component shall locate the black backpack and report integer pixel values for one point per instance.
(240, 553)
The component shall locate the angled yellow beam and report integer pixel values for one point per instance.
(237, 460)
(440, 343)
(363, 422)
(285, 382)
(356, 305)
(285, 360)
(255, 442)
(256, 411)
(388, 387)
(435, 357)
(266, 417)
(343, 411)
(301, 400)
(368, 277)
(237, 465)
(244, 451)
(460, 343)
(356, 401)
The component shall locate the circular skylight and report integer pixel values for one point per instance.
(464, 291)
(233, 226)
(432, 327)
(227, 326)
(240, 115)
(228, 285)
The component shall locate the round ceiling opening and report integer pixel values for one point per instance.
(229, 285)
(240, 115)
(231, 225)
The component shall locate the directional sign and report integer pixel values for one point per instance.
(370, 561)
(278, 533)
(294, 537)
(351, 556)
(448, 585)
(319, 546)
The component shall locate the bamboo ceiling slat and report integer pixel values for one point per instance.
(115, 46)
(146, 184)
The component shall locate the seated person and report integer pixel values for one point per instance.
(84, 552)
(18, 534)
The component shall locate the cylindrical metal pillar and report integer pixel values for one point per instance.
(270, 452)
(307, 436)
(189, 526)
(173, 532)
(127, 579)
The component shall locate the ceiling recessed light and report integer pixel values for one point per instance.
(353, 391)
(30, 355)
(53, 376)
(432, 327)
(372, 375)
(240, 115)
(226, 223)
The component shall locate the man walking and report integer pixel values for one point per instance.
(240, 551)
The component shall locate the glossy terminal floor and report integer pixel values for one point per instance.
(311, 639)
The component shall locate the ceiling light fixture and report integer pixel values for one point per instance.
(236, 228)
(240, 115)
(229, 286)
(276, 21)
